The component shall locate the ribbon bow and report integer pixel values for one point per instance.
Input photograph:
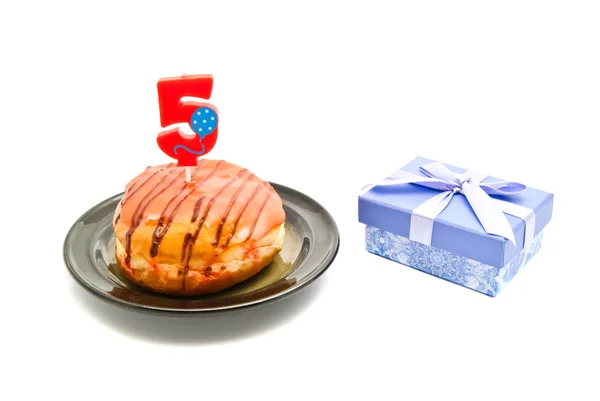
(489, 211)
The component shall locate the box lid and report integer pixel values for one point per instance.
(457, 228)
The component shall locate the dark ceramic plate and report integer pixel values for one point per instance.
(311, 244)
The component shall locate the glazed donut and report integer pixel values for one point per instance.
(199, 236)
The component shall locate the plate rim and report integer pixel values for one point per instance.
(314, 274)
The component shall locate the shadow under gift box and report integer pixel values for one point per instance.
(460, 251)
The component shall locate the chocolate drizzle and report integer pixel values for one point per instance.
(134, 189)
(197, 207)
(186, 242)
(139, 211)
(163, 226)
(189, 241)
(239, 216)
(229, 207)
(198, 203)
(158, 234)
(258, 216)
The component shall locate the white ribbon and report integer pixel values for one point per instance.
(489, 211)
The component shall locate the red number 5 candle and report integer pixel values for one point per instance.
(176, 114)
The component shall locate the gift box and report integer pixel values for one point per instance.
(464, 226)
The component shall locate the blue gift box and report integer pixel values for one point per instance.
(458, 247)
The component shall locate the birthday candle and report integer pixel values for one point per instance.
(177, 115)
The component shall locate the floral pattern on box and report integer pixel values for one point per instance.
(449, 266)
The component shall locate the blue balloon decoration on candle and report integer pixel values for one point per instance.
(204, 121)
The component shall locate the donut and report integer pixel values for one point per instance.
(197, 236)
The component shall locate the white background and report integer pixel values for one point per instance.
(324, 97)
